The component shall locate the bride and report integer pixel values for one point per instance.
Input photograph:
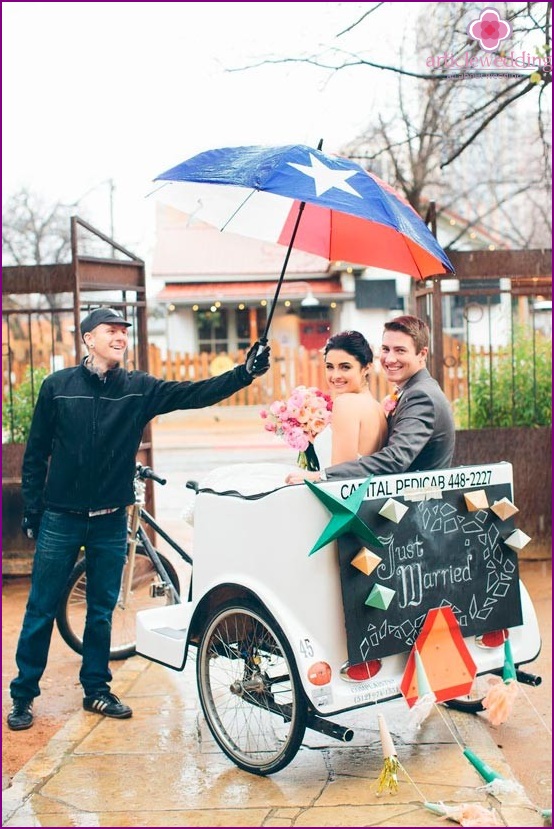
(358, 426)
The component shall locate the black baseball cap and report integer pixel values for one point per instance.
(108, 315)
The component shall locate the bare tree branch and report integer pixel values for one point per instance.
(34, 232)
(483, 125)
(354, 61)
(357, 23)
(484, 213)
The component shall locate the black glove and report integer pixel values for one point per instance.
(30, 524)
(257, 360)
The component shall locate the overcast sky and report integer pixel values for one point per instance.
(104, 91)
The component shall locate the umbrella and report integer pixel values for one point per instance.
(303, 198)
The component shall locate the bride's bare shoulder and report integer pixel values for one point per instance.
(347, 402)
(350, 401)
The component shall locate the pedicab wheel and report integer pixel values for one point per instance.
(73, 607)
(249, 688)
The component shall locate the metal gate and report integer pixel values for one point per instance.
(42, 307)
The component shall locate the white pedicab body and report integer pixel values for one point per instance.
(269, 624)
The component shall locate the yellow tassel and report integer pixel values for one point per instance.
(388, 779)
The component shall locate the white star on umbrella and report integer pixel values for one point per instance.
(325, 178)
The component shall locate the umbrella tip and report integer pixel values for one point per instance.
(320, 145)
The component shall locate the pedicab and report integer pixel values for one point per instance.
(285, 630)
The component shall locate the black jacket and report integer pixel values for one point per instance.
(91, 428)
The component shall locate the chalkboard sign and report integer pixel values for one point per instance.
(439, 554)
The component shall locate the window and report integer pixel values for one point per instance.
(242, 316)
(376, 293)
(211, 328)
(492, 286)
(314, 312)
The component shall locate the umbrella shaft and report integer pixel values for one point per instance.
(282, 276)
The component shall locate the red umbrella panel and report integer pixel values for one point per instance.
(341, 237)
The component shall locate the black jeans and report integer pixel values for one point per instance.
(60, 537)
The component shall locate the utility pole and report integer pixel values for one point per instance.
(111, 184)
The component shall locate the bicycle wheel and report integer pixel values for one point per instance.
(249, 688)
(72, 610)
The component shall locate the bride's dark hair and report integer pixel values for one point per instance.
(353, 343)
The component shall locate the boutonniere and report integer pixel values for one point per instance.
(390, 402)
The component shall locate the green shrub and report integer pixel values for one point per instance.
(17, 413)
(512, 389)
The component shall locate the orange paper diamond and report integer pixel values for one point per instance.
(448, 664)
(366, 561)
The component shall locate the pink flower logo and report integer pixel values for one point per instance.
(490, 29)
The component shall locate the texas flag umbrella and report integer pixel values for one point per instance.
(302, 198)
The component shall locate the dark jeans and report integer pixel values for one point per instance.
(60, 537)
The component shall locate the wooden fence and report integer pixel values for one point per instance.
(292, 367)
(289, 368)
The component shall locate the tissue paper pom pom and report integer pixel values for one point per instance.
(422, 708)
(466, 814)
(499, 700)
(473, 814)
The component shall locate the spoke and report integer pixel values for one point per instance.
(255, 724)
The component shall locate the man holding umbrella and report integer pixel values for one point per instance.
(77, 481)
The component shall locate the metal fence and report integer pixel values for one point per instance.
(491, 349)
(498, 359)
(491, 337)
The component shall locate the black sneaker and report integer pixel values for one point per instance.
(21, 715)
(107, 704)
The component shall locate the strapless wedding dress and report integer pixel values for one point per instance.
(323, 445)
(243, 479)
(247, 478)
(258, 478)
(250, 479)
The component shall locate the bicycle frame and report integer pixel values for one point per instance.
(149, 579)
(138, 513)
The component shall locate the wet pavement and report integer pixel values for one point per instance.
(162, 767)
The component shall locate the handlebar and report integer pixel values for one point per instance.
(145, 472)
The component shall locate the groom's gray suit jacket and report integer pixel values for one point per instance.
(421, 434)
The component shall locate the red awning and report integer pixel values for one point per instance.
(189, 292)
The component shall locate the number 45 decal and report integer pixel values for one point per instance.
(306, 648)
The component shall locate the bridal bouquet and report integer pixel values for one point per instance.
(298, 420)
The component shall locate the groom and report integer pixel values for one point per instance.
(421, 426)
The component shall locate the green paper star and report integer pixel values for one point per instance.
(344, 518)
